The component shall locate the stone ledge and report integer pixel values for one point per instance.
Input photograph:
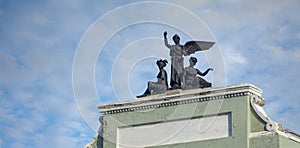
(179, 97)
(290, 135)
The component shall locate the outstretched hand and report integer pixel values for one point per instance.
(210, 69)
(165, 34)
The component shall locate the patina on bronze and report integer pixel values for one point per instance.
(177, 52)
(191, 79)
(161, 85)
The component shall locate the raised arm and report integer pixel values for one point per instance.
(166, 40)
(204, 73)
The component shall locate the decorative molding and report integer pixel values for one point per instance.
(174, 103)
(180, 97)
(286, 134)
(257, 104)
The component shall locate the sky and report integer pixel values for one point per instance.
(60, 60)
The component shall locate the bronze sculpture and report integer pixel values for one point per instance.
(190, 76)
(161, 85)
(177, 52)
(186, 78)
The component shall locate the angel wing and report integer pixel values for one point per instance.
(191, 47)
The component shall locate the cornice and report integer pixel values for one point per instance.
(180, 97)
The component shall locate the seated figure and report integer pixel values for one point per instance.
(161, 85)
(190, 76)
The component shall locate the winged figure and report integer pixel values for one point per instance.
(191, 47)
(177, 52)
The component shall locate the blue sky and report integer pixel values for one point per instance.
(259, 43)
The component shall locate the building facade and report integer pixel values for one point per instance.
(231, 116)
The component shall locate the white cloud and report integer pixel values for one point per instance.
(275, 52)
(233, 56)
(278, 53)
(36, 63)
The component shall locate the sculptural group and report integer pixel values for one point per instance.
(181, 78)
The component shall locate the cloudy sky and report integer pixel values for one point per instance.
(61, 59)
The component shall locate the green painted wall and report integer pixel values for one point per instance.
(257, 124)
(237, 106)
(268, 141)
(288, 143)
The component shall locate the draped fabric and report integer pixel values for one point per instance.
(176, 53)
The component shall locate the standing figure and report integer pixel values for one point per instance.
(161, 85)
(176, 53)
(190, 78)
